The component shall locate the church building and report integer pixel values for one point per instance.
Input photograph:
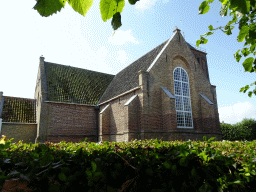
(165, 94)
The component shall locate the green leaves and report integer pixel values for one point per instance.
(233, 20)
(224, 10)
(116, 21)
(237, 56)
(244, 89)
(94, 166)
(204, 40)
(112, 8)
(243, 21)
(167, 165)
(201, 41)
(245, 52)
(209, 33)
(132, 2)
(62, 176)
(204, 7)
(210, 27)
(242, 6)
(243, 32)
(81, 6)
(47, 7)
(108, 8)
(228, 29)
(248, 64)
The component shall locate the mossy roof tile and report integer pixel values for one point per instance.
(75, 85)
(19, 110)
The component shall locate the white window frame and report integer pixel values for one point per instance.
(182, 98)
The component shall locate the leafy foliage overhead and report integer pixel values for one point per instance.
(243, 14)
(80, 6)
(108, 8)
(47, 7)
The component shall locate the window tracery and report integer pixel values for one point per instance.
(182, 98)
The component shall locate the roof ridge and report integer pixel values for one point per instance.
(76, 68)
(18, 97)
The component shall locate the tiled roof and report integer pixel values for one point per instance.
(127, 79)
(19, 110)
(75, 85)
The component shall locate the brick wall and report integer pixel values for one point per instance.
(26, 132)
(71, 122)
(119, 119)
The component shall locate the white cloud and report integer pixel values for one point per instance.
(121, 37)
(122, 56)
(237, 112)
(145, 4)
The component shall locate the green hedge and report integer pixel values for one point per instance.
(244, 130)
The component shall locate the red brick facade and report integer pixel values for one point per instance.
(71, 122)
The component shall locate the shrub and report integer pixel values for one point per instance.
(249, 125)
(244, 130)
(227, 132)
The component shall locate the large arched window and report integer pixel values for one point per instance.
(182, 98)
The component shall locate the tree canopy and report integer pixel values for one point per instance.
(242, 12)
(243, 15)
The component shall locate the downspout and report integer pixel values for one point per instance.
(97, 121)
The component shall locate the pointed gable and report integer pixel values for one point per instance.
(75, 85)
(127, 79)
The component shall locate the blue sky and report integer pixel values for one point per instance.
(87, 42)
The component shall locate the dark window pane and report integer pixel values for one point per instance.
(177, 87)
(187, 106)
(177, 74)
(185, 89)
(178, 103)
(180, 119)
(184, 76)
(188, 119)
